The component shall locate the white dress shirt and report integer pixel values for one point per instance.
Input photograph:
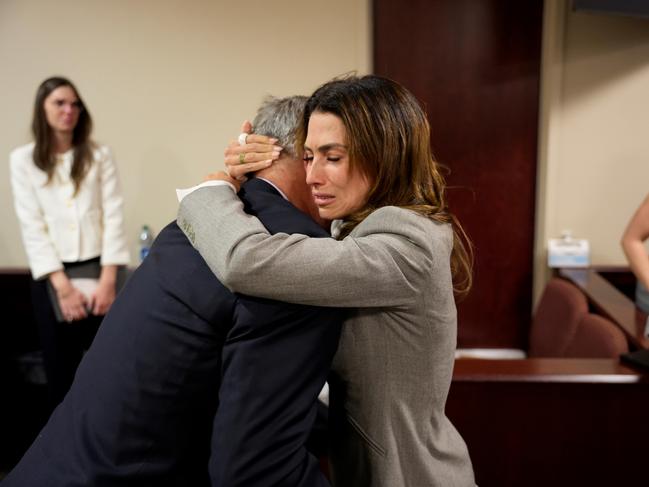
(181, 193)
(58, 226)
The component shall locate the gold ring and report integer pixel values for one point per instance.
(242, 157)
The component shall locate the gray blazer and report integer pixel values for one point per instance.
(396, 354)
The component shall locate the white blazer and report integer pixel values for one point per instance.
(60, 227)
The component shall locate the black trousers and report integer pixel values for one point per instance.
(63, 344)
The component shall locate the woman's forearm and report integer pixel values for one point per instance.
(367, 271)
(60, 282)
(635, 234)
(638, 259)
(108, 275)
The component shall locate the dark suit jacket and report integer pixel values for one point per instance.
(144, 398)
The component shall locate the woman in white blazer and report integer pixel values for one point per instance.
(398, 259)
(69, 205)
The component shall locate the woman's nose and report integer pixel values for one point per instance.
(313, 173)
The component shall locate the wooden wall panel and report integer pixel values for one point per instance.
(475, 64)
(552, 422)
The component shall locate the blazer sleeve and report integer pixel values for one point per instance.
(382, 265)
(114, 243)
(41, 252)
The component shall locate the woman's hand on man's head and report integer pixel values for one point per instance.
(258, 152)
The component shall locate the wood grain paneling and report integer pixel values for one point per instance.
(552, 422)
(475, 64)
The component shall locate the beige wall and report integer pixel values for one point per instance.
(168, 82)
(594, 130)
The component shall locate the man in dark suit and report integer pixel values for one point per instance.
(142, 405)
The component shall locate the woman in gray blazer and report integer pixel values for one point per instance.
(398, 259)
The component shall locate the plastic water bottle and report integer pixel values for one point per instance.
(145, 239)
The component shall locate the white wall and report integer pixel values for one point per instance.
(594, 130)
(167, 82)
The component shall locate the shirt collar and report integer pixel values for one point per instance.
(274, 186)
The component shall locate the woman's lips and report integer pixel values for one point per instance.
(322, 199)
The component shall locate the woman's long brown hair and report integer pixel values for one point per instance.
(44, 156)
(388, 138)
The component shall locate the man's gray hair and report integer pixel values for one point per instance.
(279, 118)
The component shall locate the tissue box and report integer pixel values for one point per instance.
(568, 252)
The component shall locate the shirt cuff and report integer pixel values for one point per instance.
(323, 397)
(181, 193)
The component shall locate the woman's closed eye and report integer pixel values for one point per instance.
(309, 159)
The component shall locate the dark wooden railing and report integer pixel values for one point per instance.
(559, 422)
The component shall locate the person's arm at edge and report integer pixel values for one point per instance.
(369, 271)
(637, 231)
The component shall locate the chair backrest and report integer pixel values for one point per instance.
(556, 320)
(597, 337)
